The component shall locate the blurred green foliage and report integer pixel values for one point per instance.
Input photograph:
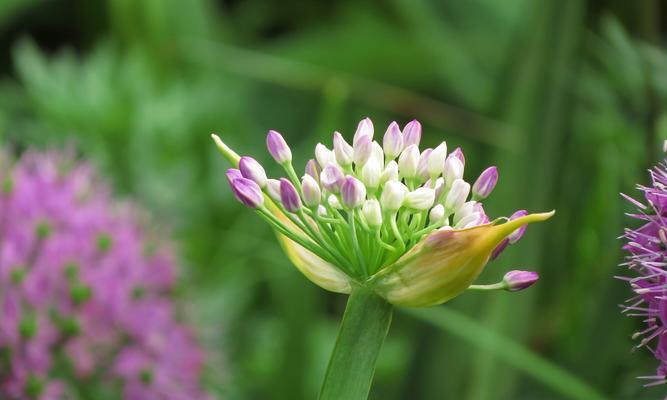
(565, 96)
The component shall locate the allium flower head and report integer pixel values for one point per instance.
(394, 219)
(647, 249)
(84, 291)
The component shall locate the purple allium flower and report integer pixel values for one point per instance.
(485, 184)
(252, 170)
(412, 133)
(83, 285)
(245, 190)
(352, 192)
(278, 148)
(647, 249)
(519, 280)
(289, 196)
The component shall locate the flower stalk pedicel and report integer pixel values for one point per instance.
(396, 227)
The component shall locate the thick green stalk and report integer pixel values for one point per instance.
(352, 364)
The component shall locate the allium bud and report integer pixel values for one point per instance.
(273, 189)
(247, 192)
(457, 195)
(332, 177)
(439, 187)
(278, 147)
(352, 192)
(408, 162)
(390, 172)
(392, 142)
(436, 160)
(252, 170)
(323, 155)
(289, 196)
(313, 169)
(393, 195)
(458, 153)
(437, 214)
(519, 280)
(321, 211)
(342, 150)
(362, 150)
(466, 209)
(373, 213)
(422, 165)
(364, 128)
(377, 153)
(517, 234)
(311, 191)
(420, 199)
(485, 183)
(231, 174)
(453, 170)
(333, 202)
(370, 174)
(412, 133)
(468, 221)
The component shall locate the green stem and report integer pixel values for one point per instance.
(362, 332)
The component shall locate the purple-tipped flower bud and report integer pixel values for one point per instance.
(469, 221)
(453, 170)
(273, 189)
(412, 133)
(365, 128)
(353, 192)
(457, 195)
(231, 174)
(466, 209)
(393, 196)
(278, 148)
(247, 192)
(420, 199)
(519, 280)
(362, 150)
(372, 213)
(408, 162)
(458, 153)
(390, 172)
(436, 160)
(517, 234)
(313, 169)
(422, 165)
(392, 142)
(252, 170)
(333, 202)
(342, 150)
(289, 196)
(311, 191)
(323, 155)
(331, 178)
(485, 183)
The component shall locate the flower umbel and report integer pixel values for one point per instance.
(391, 218)
(647, 249)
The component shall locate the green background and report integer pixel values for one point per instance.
(565, 96)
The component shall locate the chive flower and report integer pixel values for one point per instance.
(646, 249)
(400, 222)
(85, 291)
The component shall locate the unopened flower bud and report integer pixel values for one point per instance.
(252, 170)
(457, 195)
(453, 170)
(352, 192)
(323, 155)
(332, 177)
(273, 189)
(390, 172)
(437, 214)
(231, 174)
(362, 150)
(485, 183)
(393, 196)
(370, 174)
(321, 211)
(517, 234)
(408, 162)
(466, 209)
(392, 142)
(439, 187)
(247, 192)
(458, 153)
(342, 150)
(364, 128)
(373, 213)
(278, 148)
(519, 280)
(334, 202)
(420, 199)
(289, 196)
(468, 221)
(436, 160)
(377, 153)
(412, 133)
(311, 191)
(313, 169)
(422, 165)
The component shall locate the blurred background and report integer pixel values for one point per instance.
(565, 96)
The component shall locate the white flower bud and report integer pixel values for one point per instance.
(370, 174)
(377, 153)
(362, 150)
(392, 196)
(453, 170)
(373, 213)
(323, 155)
(437, 214)
(365, 128)
(468, 221)
(390, 172)
(334, 202)
(436, 160)
(311, 191)
(420, 199)
(321, 211)
(408, 161)
(466, 209)
(457, 195)
(273, 189)
(392, 142)
(342, 150)
(422, 165)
